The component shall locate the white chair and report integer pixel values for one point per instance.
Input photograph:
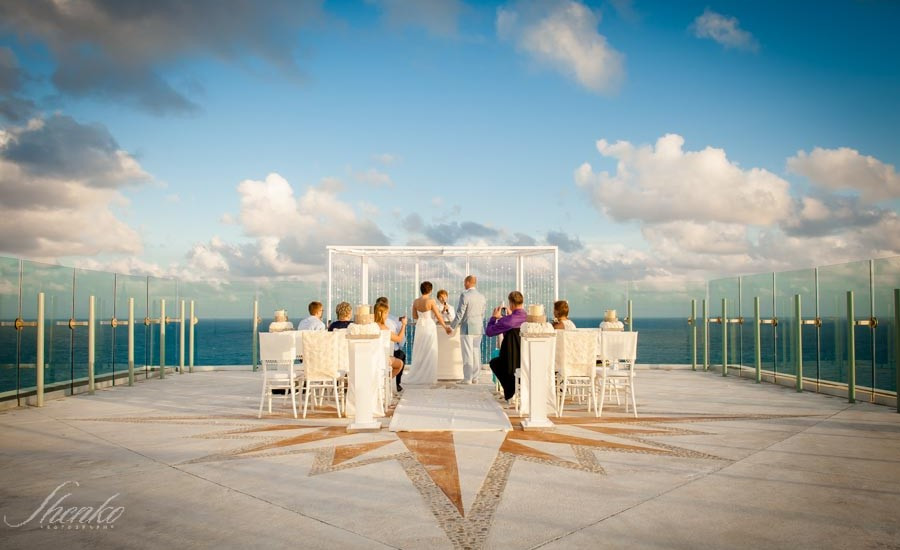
(298, 339)
(386, 393)
(343, 362)
(276, 354)
(617, 349)
(576, 360)
(321, 358)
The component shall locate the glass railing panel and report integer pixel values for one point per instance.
(887, 278)
(834, 282)
(132, 286)
(293, 296)
(9, 312)
(56, 283)
(661, 309)
(159, 289)
(761, 286)
(102, 286)
(728, 289)
(787, 285)
(224, 333)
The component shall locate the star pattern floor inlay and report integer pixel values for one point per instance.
(430, 460)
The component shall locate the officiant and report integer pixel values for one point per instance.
(448, 312)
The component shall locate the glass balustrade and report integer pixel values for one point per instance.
(660, 311)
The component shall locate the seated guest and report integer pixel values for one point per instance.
(344, 312)
(448, 312)
(381, 313)
(281, 322)
(314, 321)
(396, 327)
(504, 366)
(561, 316)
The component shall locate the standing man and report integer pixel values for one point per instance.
(470, 317)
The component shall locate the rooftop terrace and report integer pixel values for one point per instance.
(711, 462)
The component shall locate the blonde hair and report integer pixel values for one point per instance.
(442, 292)
(381, 311)
(343, 311)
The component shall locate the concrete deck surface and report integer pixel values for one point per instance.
(711, 462)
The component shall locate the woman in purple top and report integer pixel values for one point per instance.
(504, 366)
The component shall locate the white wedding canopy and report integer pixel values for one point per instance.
(359, 274)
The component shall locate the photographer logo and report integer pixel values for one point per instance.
(56, 514)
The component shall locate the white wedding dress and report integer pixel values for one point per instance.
(424, 352)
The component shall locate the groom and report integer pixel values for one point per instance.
(470, 316)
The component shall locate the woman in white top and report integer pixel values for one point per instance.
(425, 346)
(561, 316)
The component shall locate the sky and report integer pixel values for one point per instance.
(650, 141)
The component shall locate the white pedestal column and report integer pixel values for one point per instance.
(538, 357)
(363, 356)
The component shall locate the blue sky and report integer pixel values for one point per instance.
(760, 135)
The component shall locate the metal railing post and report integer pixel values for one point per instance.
(630, 318)
(897, 344)
(255, 337)
(757, 341)
(92, 340)
(705, 336)
(40, 351)
(724, 337)
(131, 341)
(181, 340)
(694, 334)
(162, 338)
(798, 359)
(851, 348)
(191, 345)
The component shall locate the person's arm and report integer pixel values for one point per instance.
(498, 325)
(460, 311)
(438, 316)
(415, 314)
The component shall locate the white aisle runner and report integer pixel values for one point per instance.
(448, 409)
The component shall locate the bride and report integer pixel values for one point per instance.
(425, 346)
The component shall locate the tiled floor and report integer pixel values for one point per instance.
(710, 462)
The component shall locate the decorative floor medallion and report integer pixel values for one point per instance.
(430, 460)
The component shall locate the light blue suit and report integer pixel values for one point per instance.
(470, 319)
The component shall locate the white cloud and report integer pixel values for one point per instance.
(665, 183)
(288, 232)
(374, 178)
(563, 35)
(723, 29)
(702, 215)
(60, 184)
(846, 169)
